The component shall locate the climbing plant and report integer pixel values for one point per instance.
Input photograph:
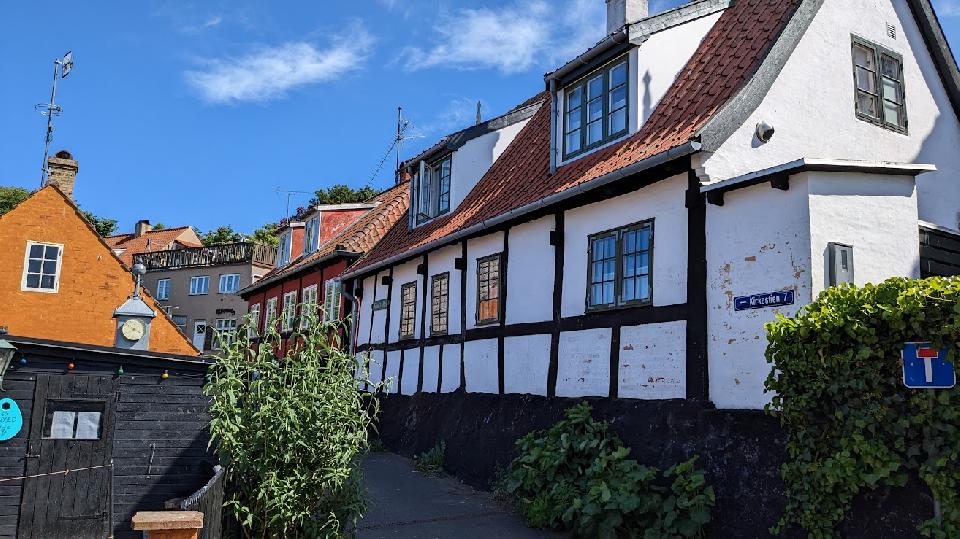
(851, 423)
(291, 428)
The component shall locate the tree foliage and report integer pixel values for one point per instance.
(105, 227)
(10, 197)
(291, 431)
(851, 424)
(343, 194)
(221, 235)
(267, 234)
(576, 476)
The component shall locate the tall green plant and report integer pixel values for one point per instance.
(291, 430)
(850, 422)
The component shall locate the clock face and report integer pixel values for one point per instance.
(132, 330)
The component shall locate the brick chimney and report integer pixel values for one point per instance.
(141, 228)
(62, 172)
(623, 12)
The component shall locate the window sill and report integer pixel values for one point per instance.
(566, 160)
(481, 323)
(621, 307)
(881, 124)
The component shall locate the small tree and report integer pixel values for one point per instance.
(291, 431)
(10, 197)
(223, 234)
(343, 194)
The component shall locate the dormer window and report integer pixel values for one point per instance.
(431, 190)
(311, 239)
(283, 250)
(595, 109)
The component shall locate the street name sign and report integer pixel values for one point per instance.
(763, 301)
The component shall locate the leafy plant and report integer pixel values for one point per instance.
(431, 461)
(576, 476)
(851, 425)
(291, 431)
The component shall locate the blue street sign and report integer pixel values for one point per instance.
(763, 301)
(925, 367)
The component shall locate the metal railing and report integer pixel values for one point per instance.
(228, 253)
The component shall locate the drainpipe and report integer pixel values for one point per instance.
(554, 121)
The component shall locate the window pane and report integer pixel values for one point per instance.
(618, 75)
(88, 426)
(573, 141)
(574, 97)
(618, 121)
(62, 425)
(50, 267)
(618, 98)
(33, 266)
(51, 253)
(891, 90)
(867, 104)
(573, 120)
(890, 67)
(33, 280)
(863, 56)
(891, 113)
(594, 110)
(866, 80)
(594, 132)
(595, 87)
(46, 281)
(36, 251)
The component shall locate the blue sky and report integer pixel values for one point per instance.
(199, 112)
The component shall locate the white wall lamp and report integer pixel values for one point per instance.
(7, 351)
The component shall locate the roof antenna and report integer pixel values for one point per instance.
(62, 67)
(479, 120)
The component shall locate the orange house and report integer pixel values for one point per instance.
(60, 281)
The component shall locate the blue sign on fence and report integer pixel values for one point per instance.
(11, 420)
(925, 367)
(762, 301)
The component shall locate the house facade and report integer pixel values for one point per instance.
(145, 239)
(677, 186)
(314, 251)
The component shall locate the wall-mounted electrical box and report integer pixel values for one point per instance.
(839, 264)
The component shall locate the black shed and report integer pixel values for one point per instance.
(105, 433)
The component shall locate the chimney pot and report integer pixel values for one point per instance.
(62, 172)
(623, 12)
(141, 228)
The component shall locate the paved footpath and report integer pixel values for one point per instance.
(404, 504)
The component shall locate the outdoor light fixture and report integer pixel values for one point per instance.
(7, 351)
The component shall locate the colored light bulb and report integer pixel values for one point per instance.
(165, 375)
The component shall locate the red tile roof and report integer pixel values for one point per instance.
(152, 240)
(725, 60)
(358, 237)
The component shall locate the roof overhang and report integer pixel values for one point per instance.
(939, 48)
(779, 175)
(269, 281)
(661, 158)
(106, 350)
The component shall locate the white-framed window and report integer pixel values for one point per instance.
(284, 249)
(229, 283)
(595, 109)
(180, 321)
(289, 311)
(430, 190)
(308, 306)
(163, 289)
(225, 332)
(41, 267)
(331, 300)
(168, 309)
(270, 314)
(253, 328)
(199, 285)
(311, 235)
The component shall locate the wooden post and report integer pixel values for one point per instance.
(169, 524)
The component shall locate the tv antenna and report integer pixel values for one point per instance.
(290, 195)
(62, 67)
(401, 135)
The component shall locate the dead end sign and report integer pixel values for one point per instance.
(926, 367)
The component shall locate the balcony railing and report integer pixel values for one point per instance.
(215, 255)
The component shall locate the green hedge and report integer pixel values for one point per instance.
(851, 424)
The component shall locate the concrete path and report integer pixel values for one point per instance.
(405, 504)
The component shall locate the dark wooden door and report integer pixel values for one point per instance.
(71, 428)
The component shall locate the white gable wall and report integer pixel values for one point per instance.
(472, 160)
(530, 284)
(478, 248)
(811, 105)
(442, 261)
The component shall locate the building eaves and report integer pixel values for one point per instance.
(126, 352)
(939, 48)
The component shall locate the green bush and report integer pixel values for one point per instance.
(576, 477)
(850, 422)
(431, 462)
(291, 431)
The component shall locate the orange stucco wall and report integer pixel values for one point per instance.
(93, 282)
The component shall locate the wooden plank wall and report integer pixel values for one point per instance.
(160, 437)
(939, 253)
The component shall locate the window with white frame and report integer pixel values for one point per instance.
(439, 303)
(199, 285)
(311, 235)
(620, 267)
(225, 332)
(331, 300)
(488, 289)
(163, 289)
(308, 306)
(595, 109)
(253, 320)
(229, 283)
(430, 190)
(289, 313)
(270, 314)
(878, 83)
(180, 321)
(41, 267)
(284, 248)
(408, 310)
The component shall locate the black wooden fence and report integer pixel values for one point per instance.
(209, 501)
(939, 252)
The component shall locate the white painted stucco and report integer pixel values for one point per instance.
(480, 366)
(451, 368)
(431, 368)
(526, 361)
(442, 261)
(478, 248)
(584, 363)
(530, 278)
(664, 203)
(472, 160)
(363, 313)
(393, 371)
(653, 360)
(411, 371)
(403, 274)
(811, 105)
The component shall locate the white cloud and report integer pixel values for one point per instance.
(460, 113)
(511, 39)
(269, 72)
(947, 8)
(213, 21)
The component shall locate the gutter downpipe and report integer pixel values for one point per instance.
(683, 150)
(554, 121)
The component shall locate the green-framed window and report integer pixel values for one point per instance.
(879, 85)
(595, 108)
(620, 267)
(431, 188)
